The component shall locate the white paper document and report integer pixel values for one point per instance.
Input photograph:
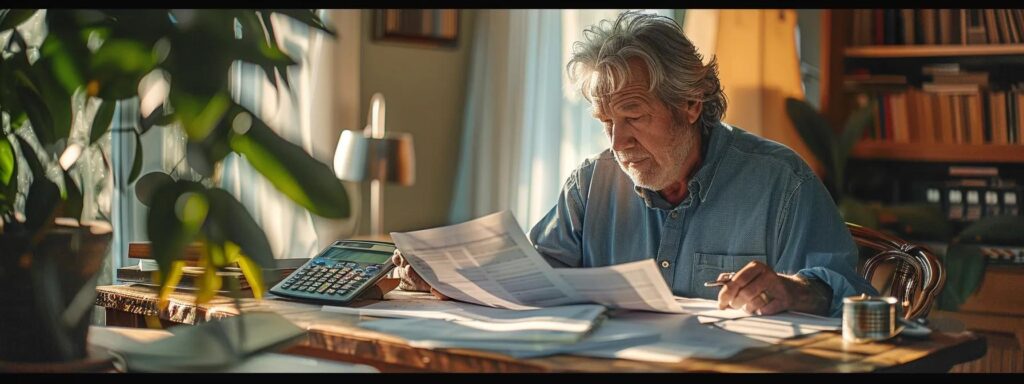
(433, 333)
(780, 326)
(707, 310)
(681, 337)
(567, 323)
(489, 261)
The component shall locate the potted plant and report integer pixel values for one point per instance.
(833, 147)
(50, 251)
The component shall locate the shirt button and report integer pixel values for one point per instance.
(665, 264)
(674, 214)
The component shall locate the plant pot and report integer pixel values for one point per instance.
(47, 292)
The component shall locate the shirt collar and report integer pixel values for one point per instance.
(715, 145)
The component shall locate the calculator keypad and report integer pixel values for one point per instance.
(336, 280)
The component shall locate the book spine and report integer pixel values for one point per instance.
(907, 21)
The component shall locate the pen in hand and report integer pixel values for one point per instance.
(721, 280)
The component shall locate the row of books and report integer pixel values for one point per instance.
(937, 26)
(928, 116)
(950, 106)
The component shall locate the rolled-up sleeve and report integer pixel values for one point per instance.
(559, 234)
(814, 242)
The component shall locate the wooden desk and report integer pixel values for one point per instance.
(336, 336)
(996, 309)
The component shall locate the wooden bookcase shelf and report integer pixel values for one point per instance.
(838, 52)
(965, 153)
(995, 309)
(897, 51)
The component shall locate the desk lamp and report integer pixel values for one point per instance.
(376, 156)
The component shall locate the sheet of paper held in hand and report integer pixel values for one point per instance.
(489, 261)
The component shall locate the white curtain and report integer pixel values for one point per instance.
(300, 115)
(305, 114)
(525, 126)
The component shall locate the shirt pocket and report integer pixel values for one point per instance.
(707, 267)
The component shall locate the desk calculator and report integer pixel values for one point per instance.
(340, 273)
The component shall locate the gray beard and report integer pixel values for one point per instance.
(661, 176)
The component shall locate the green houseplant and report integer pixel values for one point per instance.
(49, 252)
(833, 148)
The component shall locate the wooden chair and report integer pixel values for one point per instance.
(917, 276)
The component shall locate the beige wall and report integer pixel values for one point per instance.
(424, 90)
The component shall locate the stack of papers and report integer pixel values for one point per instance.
(430, 323)
(433, 333)
(489, 261)
(563, 324)
(771, 328)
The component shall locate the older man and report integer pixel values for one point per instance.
(705, 200)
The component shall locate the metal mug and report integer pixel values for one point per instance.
(869, 318)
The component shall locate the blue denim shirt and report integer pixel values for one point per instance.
(751, 199)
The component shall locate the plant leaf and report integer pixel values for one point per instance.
(66, 46)
(119, 65)
(853, 130)
(8, 165)
(294, 172)
(169, 232)
(813, 129)
(30, 156)
(918, 220)
(41, 203)
(35, 107)
(137, 162)
(239, 227)
(253, 274)
(149, 183)
(8, 174)
(101, 122)
(173, 272)
(203, 155)
(209, 282)
(1003, 230)
(969, 265)
(72, 198)
(199, 115)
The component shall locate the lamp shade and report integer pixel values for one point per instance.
(389, 159)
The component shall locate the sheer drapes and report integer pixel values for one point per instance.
(302, 114)
(525, 126)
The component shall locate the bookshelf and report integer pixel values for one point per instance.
(941, 139)
(872, 42)
(965, 153)
(923, 56)
(897, 51)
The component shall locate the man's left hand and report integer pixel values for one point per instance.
(757, 289)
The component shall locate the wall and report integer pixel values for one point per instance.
(424, 91)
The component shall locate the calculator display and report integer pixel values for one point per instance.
(362, 257)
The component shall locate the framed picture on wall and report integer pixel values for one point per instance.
(432, 27)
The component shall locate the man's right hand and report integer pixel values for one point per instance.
(409, 279)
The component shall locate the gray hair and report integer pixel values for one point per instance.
(676, 71)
